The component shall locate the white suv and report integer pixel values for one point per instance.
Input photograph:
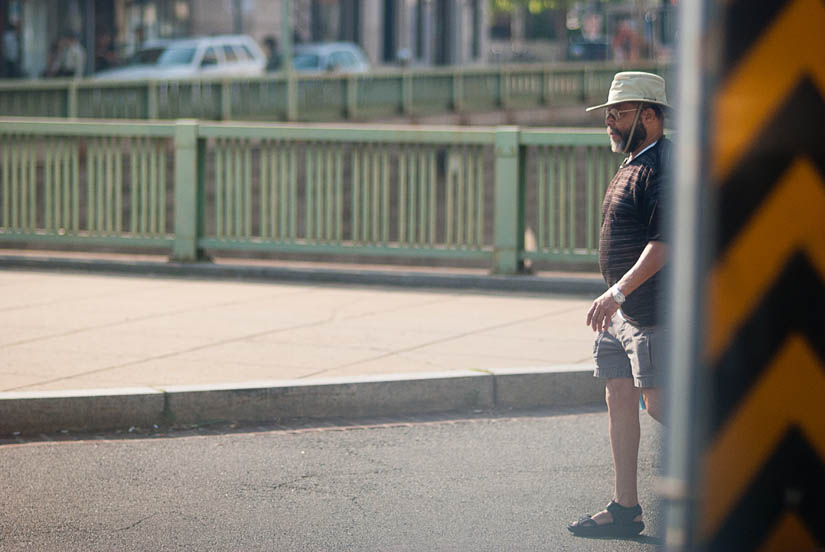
(227, 55)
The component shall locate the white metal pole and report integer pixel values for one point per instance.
(690, 230)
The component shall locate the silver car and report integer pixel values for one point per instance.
(214, 56)
(330, 57)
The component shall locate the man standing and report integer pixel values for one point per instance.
(273, 57)
(631, 253)
(71, 59)
(11, 52)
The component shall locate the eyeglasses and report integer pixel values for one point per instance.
(615, 114)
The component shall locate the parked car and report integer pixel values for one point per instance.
(227, 55)
(583, 49)
(330, 57)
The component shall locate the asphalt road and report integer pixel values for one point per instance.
(477, 482)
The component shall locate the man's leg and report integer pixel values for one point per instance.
(622, 397)
(655, 396)
(654, 403)
(623, 414)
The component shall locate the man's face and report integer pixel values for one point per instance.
(619, 121)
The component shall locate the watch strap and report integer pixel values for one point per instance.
(617, 294)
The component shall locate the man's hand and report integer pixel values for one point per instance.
(650, 262)
(601, 311)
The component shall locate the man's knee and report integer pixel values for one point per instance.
(654, 402)
(620, 392)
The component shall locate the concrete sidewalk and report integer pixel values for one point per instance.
(96, 351)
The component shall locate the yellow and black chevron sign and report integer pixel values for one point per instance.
(763, 471)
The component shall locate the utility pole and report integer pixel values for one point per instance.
(678, 486)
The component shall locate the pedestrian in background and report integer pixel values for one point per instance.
(273, 56)
(70, 60)
(11, 52)
(632, 252)
(105, 54)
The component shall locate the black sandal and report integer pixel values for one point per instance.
(622, 525)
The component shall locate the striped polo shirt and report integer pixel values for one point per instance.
(631, 217)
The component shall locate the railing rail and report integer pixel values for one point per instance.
(297, 97)
(397, 191)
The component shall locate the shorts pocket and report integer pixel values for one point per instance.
(658, 344)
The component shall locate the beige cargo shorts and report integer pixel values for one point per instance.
(626, 351)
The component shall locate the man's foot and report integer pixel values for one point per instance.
(614, 521)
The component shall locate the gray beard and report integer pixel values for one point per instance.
(618, 146)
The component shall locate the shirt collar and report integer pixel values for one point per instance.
(630, 158)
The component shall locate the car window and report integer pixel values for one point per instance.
(148, 55)
(343, 59)
(306, 61)
(210, 57)
(229, 54)
(176, 56)
(243, 52)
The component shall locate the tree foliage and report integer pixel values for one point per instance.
(538, 6)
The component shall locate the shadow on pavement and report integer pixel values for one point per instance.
(300, 425)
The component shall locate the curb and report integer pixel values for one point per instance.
(107, 409)
(579, 285)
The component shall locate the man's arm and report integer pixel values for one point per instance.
(651, 260)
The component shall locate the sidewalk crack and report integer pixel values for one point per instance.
(138, 522)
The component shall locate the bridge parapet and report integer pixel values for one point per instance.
(188, 187)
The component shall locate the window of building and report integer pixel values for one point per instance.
(500, 28)
(542, 25)
(326, 20)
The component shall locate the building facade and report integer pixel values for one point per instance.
(392, 32)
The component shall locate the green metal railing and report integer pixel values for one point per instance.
(76, 183)
(279, 97)
(397, 191)
(572, 170)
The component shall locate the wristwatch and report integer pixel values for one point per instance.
(617, 294)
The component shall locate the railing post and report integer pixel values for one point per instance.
(503, 90)
(291, 97)
(544, 94)
(508, 240)
(226, 100)
(407, 93)
(71, 100)
(152, 103)
(458, 91)
(200, 183)
(352, 97)
(188, 183)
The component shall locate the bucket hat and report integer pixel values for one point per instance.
(635, 86)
